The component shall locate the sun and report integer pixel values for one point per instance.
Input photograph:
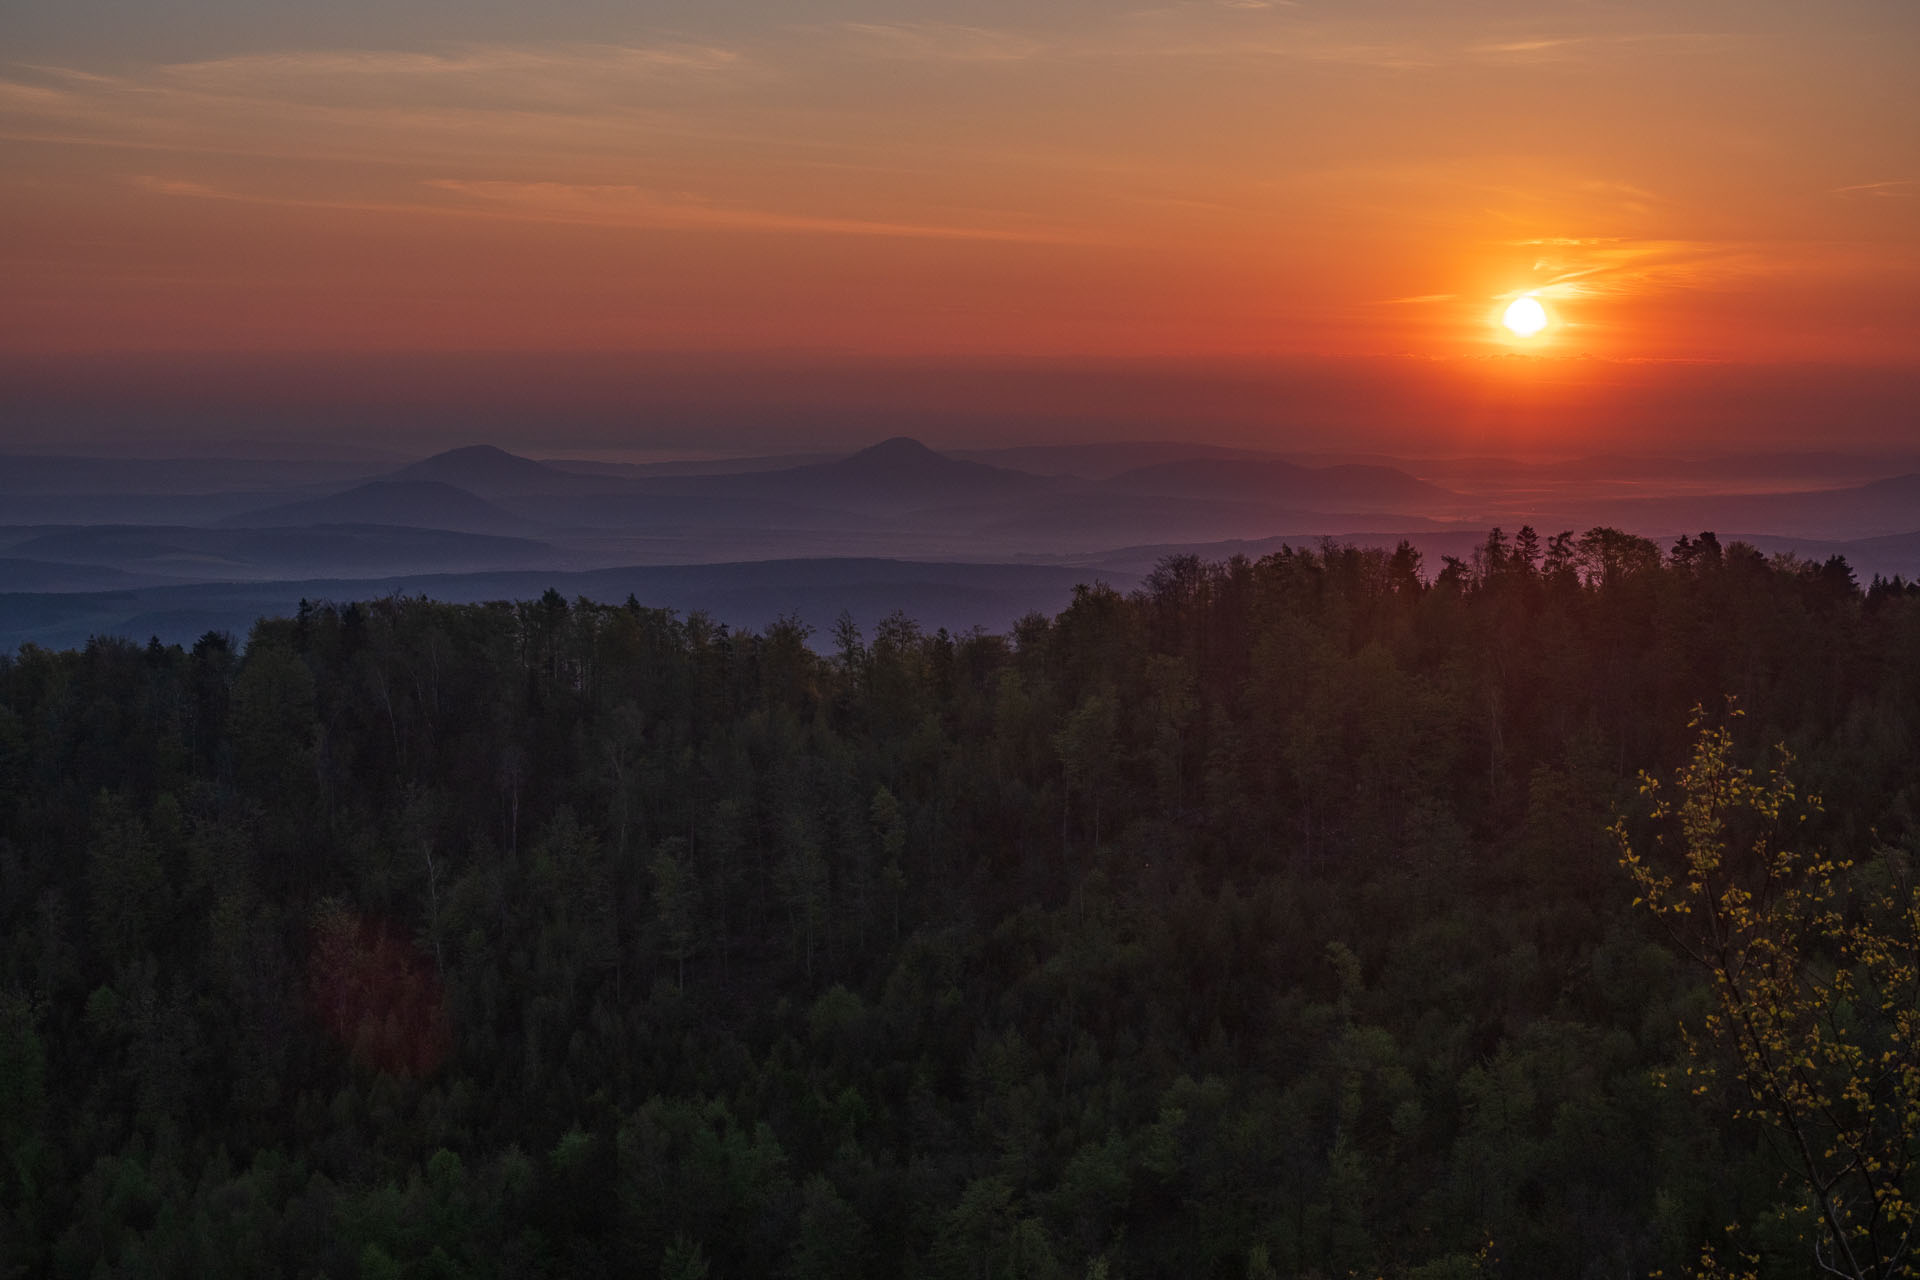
(1525, 316)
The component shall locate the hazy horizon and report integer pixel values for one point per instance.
(734, 404)
(849, 639)
(739, 228)
(1196, 279)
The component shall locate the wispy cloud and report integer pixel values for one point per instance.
(253, 89)
(1384, 57)
(614, 206)
(480, 60)
(623, 205)
(1567, 47)
(940, 42)
(1618, 267)
(1285, 31)
(1254, 30)
(1891, 189)
(175, 187)
(483, 75)
(396, 108)
(30, 97)
(1552, 45)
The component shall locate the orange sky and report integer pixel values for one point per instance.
(1234, 179)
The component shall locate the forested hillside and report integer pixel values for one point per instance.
(1262, 923)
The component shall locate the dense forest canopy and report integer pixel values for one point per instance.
(1265, 922)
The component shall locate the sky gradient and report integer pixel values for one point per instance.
(1257, 184)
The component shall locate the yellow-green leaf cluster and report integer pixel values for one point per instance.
(1814, 969)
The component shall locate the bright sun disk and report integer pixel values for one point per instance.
(1525, 316)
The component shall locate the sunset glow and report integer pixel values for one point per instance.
(843, 638)
(1219, 181)
(1525, 316)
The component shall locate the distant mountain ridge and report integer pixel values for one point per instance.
(482, 508)
(67, 475)
(19, 574)
(1879, 508)
(1256, 480)
(686, 466)
(198, 554)
(954, 595)
(416, 504)
(1101, 461)
(492, 472)
(905, 466)
(896, 475)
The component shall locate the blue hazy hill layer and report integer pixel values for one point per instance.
(955, 596)
(98, 557)
(420, 504)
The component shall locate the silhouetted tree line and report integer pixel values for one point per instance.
(1264, 922)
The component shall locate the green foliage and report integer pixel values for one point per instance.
(1261, 923)
(684, 1260)
(1814, 966)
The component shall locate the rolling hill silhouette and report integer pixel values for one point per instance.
(895, 475)
(490, 472)
(60, 475)
(1881, 508)
(1309, 488)
(957, 596)
(416, 504)
(192, 554)
(1102, 461)
(17, 574)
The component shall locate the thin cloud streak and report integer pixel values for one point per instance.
(483, 60)
(945, 42)
(1563, 48)
(621, 205)
(607, 206)
(1895, 188)
(1620, 268)
(1250, 176)
(1253, 29)
(940, 42)
(593, 80)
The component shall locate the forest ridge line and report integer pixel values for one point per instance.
(1261, 921)
(179, 547)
